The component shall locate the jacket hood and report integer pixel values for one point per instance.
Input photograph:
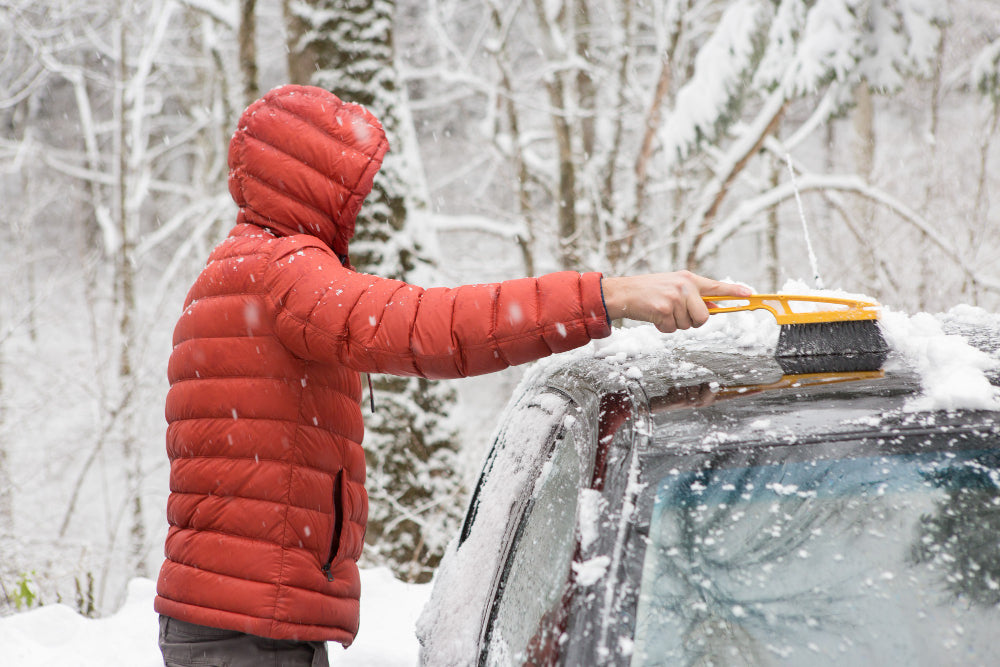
(302, 162)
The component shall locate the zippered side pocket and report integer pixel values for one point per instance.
(338, 524)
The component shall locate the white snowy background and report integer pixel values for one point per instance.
(892, 183)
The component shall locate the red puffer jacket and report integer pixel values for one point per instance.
(267, 505)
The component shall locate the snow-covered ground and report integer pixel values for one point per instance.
(57, 635)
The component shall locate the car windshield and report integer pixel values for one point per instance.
(887, 558)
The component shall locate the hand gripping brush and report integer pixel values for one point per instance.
(844, 336)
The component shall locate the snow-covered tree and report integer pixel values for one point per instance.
(346, 46)
(681, 116)
(118, 137)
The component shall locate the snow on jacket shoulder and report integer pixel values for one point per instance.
(267, 506)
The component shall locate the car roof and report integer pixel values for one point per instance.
(753, 373)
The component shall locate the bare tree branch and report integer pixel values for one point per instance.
(731, 165)
(747, 210)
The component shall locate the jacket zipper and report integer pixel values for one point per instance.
(338, 525)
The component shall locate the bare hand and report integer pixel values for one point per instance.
(670, 301)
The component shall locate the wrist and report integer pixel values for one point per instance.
(615, 302)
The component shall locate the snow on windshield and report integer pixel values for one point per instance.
(829, 562)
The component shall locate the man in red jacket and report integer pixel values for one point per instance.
(267, 504)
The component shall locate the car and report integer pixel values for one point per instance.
(647, 503)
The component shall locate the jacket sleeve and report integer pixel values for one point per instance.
(324, 312)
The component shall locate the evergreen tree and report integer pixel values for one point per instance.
(346, 46)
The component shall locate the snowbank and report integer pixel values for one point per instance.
(57, 635)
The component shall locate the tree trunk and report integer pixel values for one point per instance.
(409, 450)
(247, 39)
(615, 247)
(128, 112)
(771, 237)
(6, 483)
(525, 241)
(566, 206)
(556, 88)
(586, 90)
(301, 58)
(350, 53)
(653, 120)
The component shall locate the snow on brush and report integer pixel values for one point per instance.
(56, 635)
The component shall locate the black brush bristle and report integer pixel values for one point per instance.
(831, 347)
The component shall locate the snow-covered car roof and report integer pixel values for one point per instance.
(687, 402)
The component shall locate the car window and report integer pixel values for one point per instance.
(525, 616)
(885, 559)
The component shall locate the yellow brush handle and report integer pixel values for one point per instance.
(779, 306)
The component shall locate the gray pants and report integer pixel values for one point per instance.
(188, 645)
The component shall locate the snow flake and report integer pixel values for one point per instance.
(514, 313)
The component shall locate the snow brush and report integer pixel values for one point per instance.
(843, 337)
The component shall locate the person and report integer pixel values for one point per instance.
(267, 503)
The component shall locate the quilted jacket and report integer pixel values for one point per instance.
(267, 505)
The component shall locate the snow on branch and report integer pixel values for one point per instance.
(204, 216)
(182, 220)
(827, 107)
(719, 75)
(728, 168)
(226, 13)
(985, 73)
(829, 47)
(475, 223)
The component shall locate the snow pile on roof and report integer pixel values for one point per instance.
(952, 372)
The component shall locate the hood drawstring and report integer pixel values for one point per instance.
(371, 392)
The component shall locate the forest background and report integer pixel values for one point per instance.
(527, 136)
